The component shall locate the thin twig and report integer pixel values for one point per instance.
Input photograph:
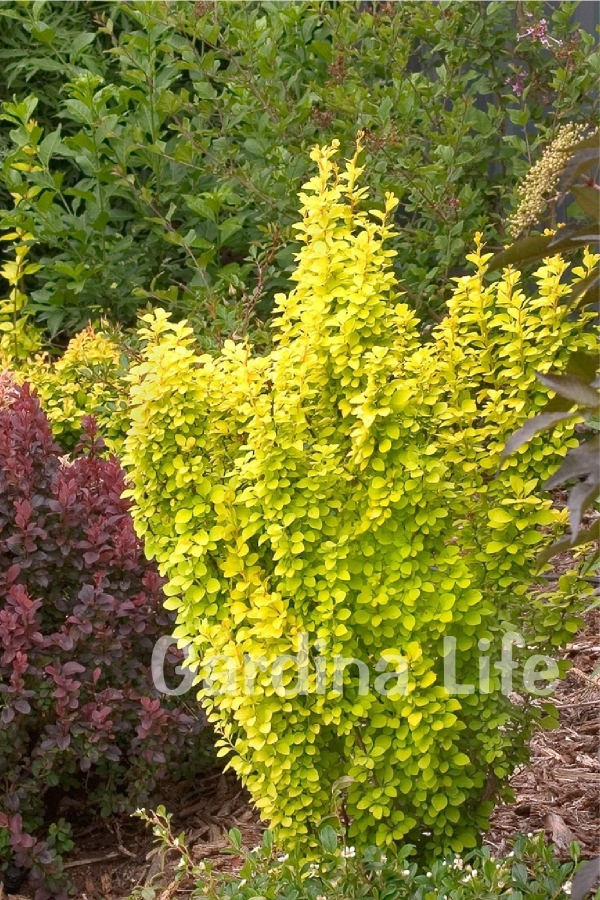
(89, 861)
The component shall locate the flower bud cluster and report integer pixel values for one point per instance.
(542, 179)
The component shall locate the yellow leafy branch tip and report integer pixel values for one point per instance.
(322, 155)
(17, 337)
(329, 174)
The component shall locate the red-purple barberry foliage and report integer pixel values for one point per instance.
(80, 611)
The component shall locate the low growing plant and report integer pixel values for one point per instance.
(338, 499)
(529, 872)
(80, 610)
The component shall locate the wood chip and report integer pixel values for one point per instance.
(561, 834)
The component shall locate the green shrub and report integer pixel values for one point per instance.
(529, 871)
(343, 488)
(172, 178)
(42, 42)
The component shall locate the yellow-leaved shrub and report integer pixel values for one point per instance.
(88, 379)
(338, 498)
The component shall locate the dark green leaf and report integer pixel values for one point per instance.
(557, 404)
(235, 838)
(583, 240)
(81, 42)
(267, 841)
(590, 282)
(582, 364)
(329, 839)
(591, 293)
(568, 542)
(49, 146)
(580, 161)
(579, 462)
(519, 874)
(569, 236)
(586, 879)
(588, 143)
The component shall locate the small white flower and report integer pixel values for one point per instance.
(283, 858)
(567, 887)
(405, 872)
(348, 852)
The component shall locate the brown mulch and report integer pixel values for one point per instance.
(205, 811)
(558, 793)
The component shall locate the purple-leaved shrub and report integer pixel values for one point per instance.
(80, 610)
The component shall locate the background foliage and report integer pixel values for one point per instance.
(172, 139)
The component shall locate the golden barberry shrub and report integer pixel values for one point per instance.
(88, 379)
(338, 498)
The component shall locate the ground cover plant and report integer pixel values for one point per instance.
(155, 159)
(530, 871)
(341, 497)
(80, 611)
